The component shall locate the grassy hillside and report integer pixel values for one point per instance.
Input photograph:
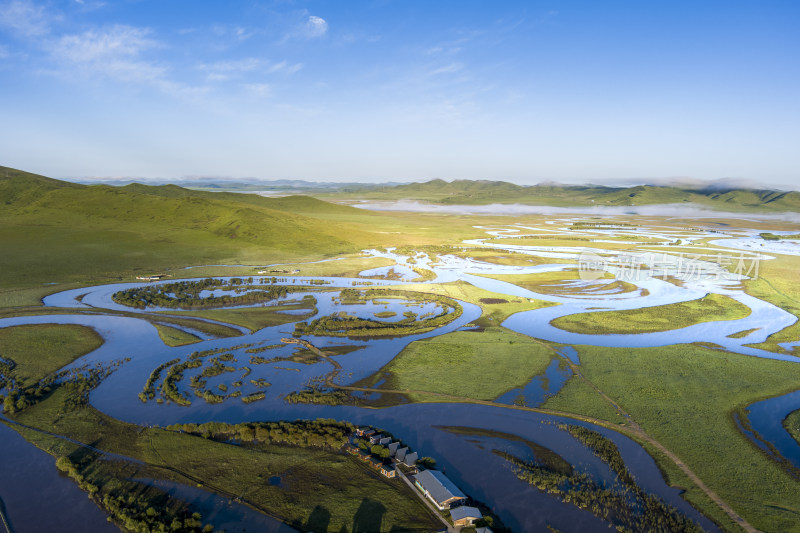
(60, 232)
(467, 192)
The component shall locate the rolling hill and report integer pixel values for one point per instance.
(469, 192)
(56, 231)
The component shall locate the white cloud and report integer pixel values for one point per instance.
(25, 18)
(114, 52)
(259, 90)
(452, 68)
(225, 70)
(315, 27)
(284, 67)
(98, 46)
(237, 33)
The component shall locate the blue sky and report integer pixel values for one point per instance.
(573, 91)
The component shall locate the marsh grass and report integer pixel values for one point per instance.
(480, 365)
(685, 397)
(41, 349)
(174, 336)
(252, 318)
(710, 308)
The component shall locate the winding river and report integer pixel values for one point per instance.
(468, 460)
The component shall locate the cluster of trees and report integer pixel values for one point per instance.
(603, 448)
(149, 391)
(624, 504)
(319, 395)
(174, 377)
(263, 348)
(170, 386)
(320, 433)
(253, 397)
(187, 294)
(342, 325)
(135, 506)
(216, 368)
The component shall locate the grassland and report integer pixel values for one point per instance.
(312, 480)
(711, 307)
(565, 283)
(558, 241)
(480, 365)
(252, 318)
(685, 396)
(62, 232)
(501, 307)
(499, 257)
(777, 283)
(174, 336)
(210, 328)
(41, 349)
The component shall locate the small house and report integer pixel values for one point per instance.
(375, 462)
(393, 447)
(352, 450)
(439, 489)
(465, 516)
(364, 456)
(375, 439)
(365, 432)
(410, 459)
(384, 441)
(401, 454)
(388, 471)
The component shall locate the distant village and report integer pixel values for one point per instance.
(387, 456)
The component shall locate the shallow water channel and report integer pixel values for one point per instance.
(467, 459)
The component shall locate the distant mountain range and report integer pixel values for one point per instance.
(469, 192)
(233, 184)
(725, 194)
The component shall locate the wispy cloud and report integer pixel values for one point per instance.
(225, 70)
(113, 52)
(237, 33)
(305, 27)
(451, 68)
(25, 18)
(102, 45)
(315, 27)
(259, 90)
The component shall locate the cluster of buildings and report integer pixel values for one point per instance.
(437, 487)
(396, 453)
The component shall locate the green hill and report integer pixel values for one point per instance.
(467, 192)
(54, 231)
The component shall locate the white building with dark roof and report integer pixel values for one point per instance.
(465, 516)
(439, 489)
